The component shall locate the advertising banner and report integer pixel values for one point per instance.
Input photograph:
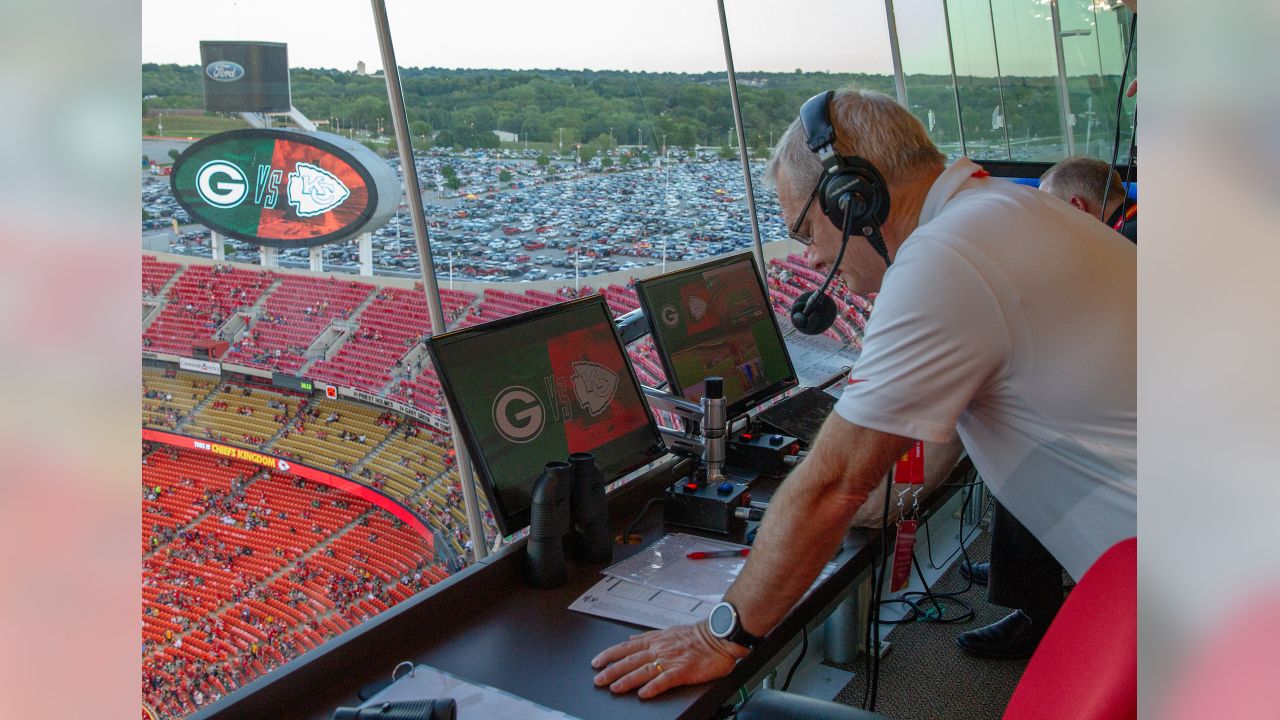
(409, 410)
(204, 366)
(307, 472)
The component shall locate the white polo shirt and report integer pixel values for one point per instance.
(1011, 316)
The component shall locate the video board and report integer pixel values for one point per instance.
(245, 76)
(285, 188)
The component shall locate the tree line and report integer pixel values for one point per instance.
(567, 108)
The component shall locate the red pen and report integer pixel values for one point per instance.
(707, 555)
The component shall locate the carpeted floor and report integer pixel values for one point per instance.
(926, 677)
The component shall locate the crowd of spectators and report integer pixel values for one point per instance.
(271, 566)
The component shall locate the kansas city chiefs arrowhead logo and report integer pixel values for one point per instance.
(314, 191)
(697, 307)
(594, 384)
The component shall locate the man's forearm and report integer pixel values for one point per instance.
(808, 518)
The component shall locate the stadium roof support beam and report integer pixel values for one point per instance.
(263, 120)
(899, 79)
(400, 121)
(757, 245)
(217, 247)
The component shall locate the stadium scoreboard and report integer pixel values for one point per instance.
(285, 188)
(245, 76)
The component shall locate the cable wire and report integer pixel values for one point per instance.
(804, 648)
(1115, 144)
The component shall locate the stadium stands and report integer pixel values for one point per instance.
(293, 317)
(423, 391)
(202, 299)
(168, 395)
(622, 299)
(498, 304)
(156, 274)
(790, 277)
(335, 435)
(245, 568)
(389, 328)
(243, 415)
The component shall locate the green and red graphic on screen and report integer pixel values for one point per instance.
(551, 382)
(281, 188)
(714, 320)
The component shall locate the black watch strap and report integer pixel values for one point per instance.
(744, 638)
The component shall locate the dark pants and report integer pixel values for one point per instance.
(1023, 574)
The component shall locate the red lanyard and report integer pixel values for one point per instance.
(908, 471)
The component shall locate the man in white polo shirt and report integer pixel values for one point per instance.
(1005, 314)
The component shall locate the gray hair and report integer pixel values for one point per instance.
(1083, 177)
(868, 124)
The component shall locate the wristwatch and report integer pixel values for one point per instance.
(725, 624)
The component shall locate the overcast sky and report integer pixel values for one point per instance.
(654, 35)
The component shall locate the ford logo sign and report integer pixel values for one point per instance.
(224, 71)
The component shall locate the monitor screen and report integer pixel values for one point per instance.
(535, 387)
(714, 319)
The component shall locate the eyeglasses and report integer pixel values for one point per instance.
(793, 232)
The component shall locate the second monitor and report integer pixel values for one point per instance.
(715, 319)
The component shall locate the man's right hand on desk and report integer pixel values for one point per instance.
(807, 519)
(659, 660)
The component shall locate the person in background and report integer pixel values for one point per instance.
(1081, 181)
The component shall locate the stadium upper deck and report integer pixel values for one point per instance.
(354, 334)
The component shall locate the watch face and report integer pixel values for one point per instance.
(722, 620)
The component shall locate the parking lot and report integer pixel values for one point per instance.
(541, 223)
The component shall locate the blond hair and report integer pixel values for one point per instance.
(867, 124)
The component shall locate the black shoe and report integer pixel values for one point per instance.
(1013, 638)
(976, 573)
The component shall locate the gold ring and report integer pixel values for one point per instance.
(657, 665)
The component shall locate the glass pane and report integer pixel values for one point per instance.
(1093, 36)
(1029, 80)
(978, 79)
(779, 67)
(926, 65)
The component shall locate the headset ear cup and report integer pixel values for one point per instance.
(858, 180)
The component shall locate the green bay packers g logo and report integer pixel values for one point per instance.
(518, 414)
(221, 184)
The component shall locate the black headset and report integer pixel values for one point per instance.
(852, 194)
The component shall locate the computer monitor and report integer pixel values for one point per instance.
(714, 319)
(535, 387)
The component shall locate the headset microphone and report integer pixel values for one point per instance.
(814, 312)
